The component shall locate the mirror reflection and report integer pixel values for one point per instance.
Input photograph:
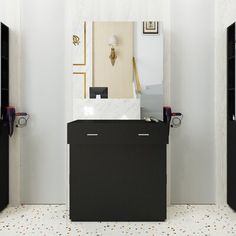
(118, 70)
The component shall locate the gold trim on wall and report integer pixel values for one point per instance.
(85, 85)
(85, 46)
(138, 85)
(93, 54)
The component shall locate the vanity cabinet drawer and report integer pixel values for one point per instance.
(96, 134)
(125, 133)
(149, 133)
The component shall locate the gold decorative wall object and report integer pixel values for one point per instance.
(76, 40)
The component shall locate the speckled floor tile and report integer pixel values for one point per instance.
(185, 220)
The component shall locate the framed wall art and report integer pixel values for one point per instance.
(150, 27)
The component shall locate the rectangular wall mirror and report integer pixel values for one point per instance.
(117, 70)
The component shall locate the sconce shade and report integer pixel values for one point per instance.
(113, 41)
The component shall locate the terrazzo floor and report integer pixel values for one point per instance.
(50, 220)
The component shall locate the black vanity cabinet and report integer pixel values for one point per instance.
(4, 166)
(231, 122)
(117, 170)
(4, 102)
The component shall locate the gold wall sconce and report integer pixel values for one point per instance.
(113, 41)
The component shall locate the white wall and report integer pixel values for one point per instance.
(110, 10)
(10, 15)
(192, 93)
(225, 15)
(44, 139)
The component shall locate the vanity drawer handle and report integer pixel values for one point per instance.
(143, 135)
(92, 135)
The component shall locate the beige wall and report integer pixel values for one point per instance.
(117, 78)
